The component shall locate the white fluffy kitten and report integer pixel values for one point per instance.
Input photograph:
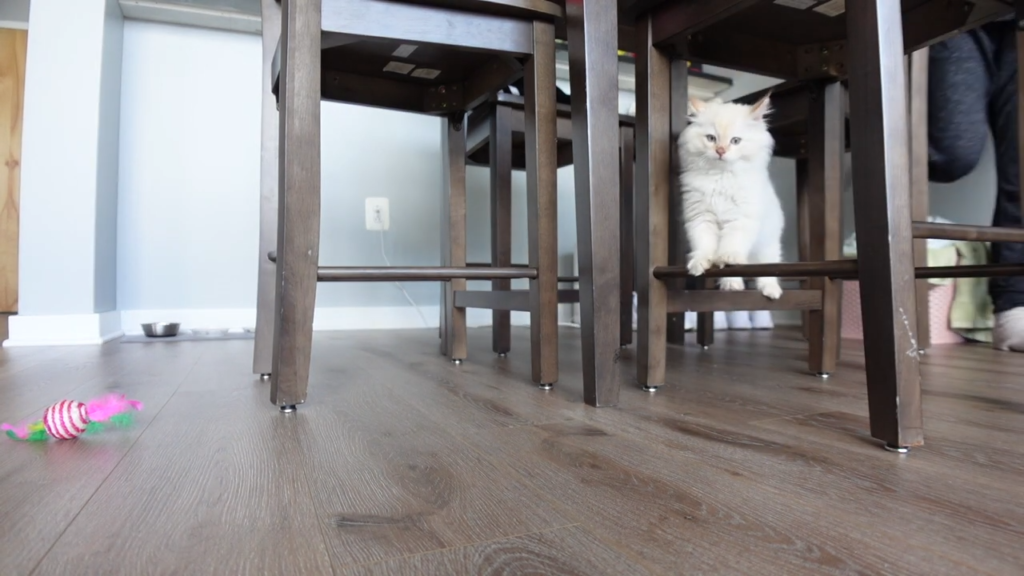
(730, 209)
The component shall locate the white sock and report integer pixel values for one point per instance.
(739, 320)
(721, 323)
(1008, 333)
(762, 320)
(689, 321)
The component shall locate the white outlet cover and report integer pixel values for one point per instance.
(375, 206)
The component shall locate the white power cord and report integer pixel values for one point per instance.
(400, 287)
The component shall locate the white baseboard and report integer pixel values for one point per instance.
(94, 329)
(332, 318)
(63, 330)
(72, 329)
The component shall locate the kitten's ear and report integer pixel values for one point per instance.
(696, 106)
(762, 107)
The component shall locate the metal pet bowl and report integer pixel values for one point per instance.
(160, 329)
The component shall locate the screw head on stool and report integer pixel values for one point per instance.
(288, 409)
(823, 375)
(651, 389)
(897, 449)
(265, 377)
(544, 386)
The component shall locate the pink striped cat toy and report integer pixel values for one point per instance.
(69, 419)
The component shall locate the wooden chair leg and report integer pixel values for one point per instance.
(298, 234)
(826, 147)
(442, 325)
(453, 146)
(542, 203)
(653, 186)
(678, 245)
(884, 241)
(595, 103)
(918, 77)
(263, 348)
(706, 320)
(627, 268)
(501, 220)
(803, 230)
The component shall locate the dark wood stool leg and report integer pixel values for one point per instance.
(298, 233)
(627, 267)
(1019, 9)
(826, 147)
(803, 229)
(919, 181)
(442, 326)
(706, 320)
(653, 185)
(453, 234)
(542, 203)
(881, 201)
(678, 245)
(263, 348)
(593, 34)
(501, 220)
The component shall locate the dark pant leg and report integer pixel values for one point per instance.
(1007, 293)
(958, 87)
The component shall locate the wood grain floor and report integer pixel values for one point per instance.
(402, 463)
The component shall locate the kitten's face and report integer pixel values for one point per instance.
(725, 132)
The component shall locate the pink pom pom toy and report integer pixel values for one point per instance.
(69, 419)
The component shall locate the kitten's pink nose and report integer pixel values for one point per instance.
(721, 151)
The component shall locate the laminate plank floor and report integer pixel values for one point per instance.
(403, 463)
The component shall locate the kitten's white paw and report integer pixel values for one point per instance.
(731, 284)
(731, 259)
(699, 263)
(770, 289)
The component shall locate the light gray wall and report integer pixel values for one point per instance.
(73, 55)
(14, 13)
(105, 296)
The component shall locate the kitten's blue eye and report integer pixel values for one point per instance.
(735, 141)
(711, 138)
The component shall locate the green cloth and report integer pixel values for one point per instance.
(971, 314)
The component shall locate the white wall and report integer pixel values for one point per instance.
(108, 155)
(189, 190)
(67, 238)
(69, 150)
(189, 168)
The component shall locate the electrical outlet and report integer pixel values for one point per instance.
(378, 216)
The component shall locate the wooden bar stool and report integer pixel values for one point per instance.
(356, 51)
(496, 138)
(862, 45)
